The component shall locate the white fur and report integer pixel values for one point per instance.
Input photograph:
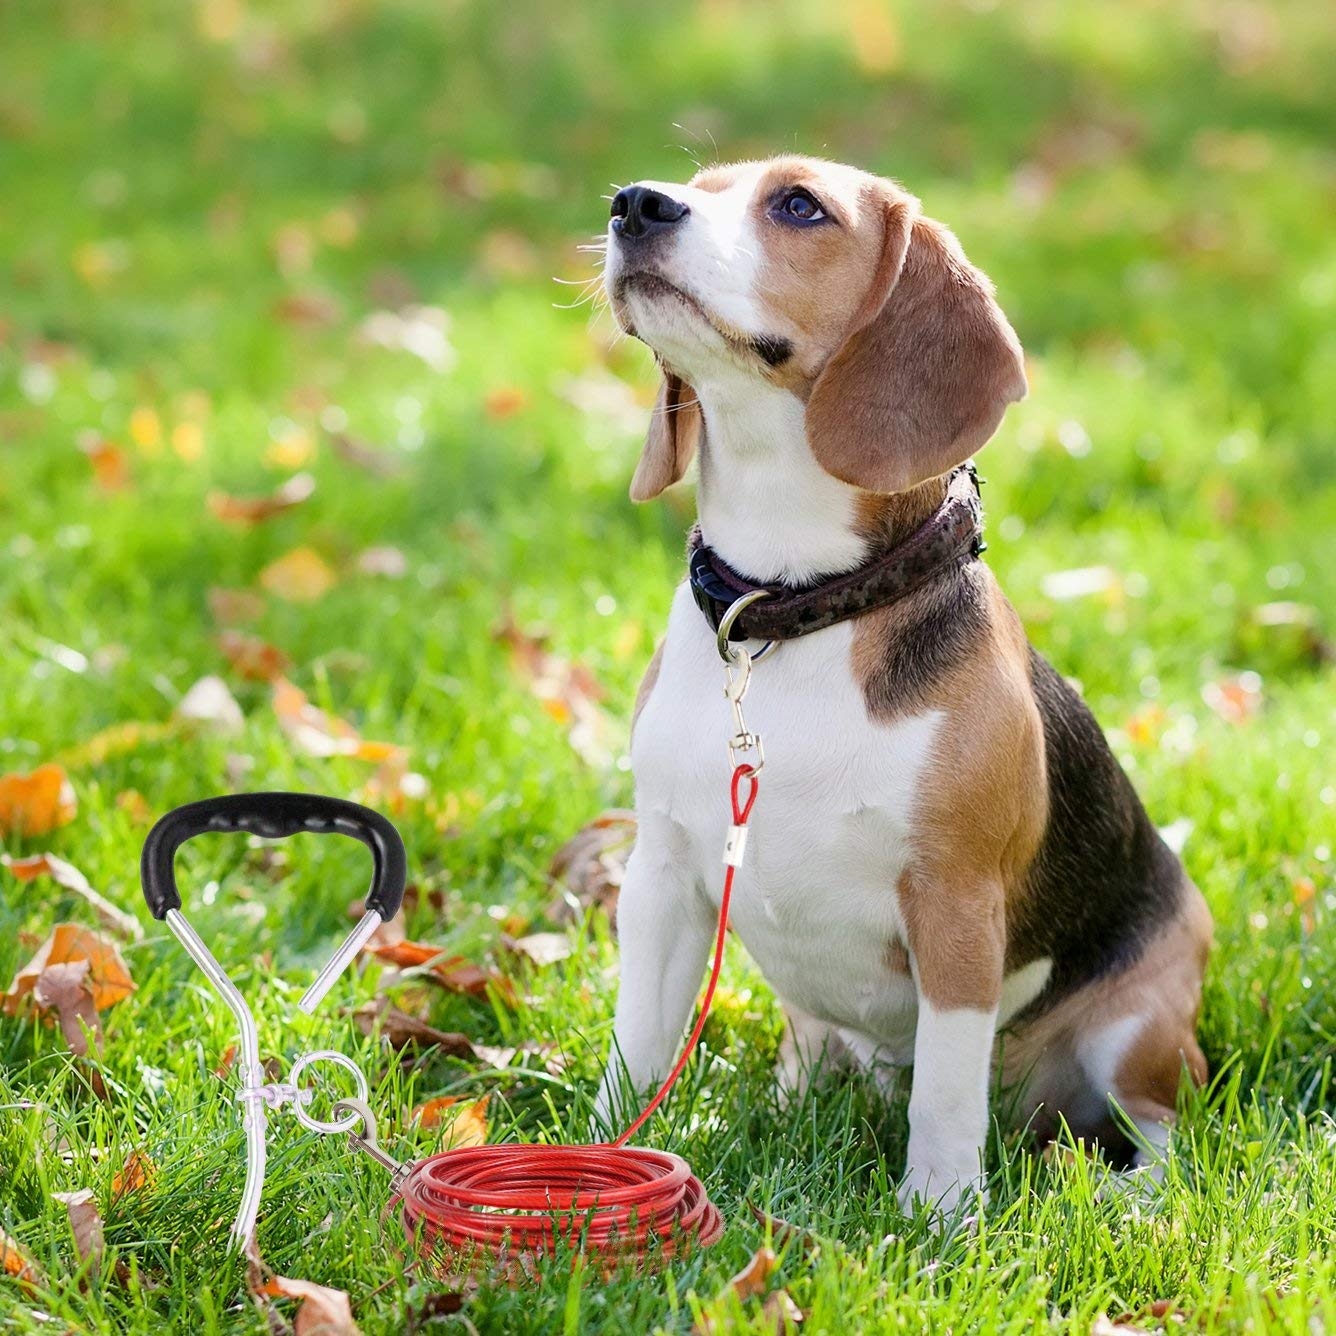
(948, 1109)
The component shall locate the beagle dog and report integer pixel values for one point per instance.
(946, 865)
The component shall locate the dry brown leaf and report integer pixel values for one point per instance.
(543, 948)
(781, 1312)
(253, 659)
(64, 988)
(566, 691)
(107, 979)
(15, 1262)
(319, 733)
(248, 511)
(138, 1172)
(230, 607)
(37, 802)
(456, 974)
(754, 1278)
(322, 1311)
(588, 869)
(67, 875)
(225, 1063)
(403, 1031)
(86, 1224)
(462, 1123)
(299, 576)
(784, 1231)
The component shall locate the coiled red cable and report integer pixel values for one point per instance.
(610, 1199)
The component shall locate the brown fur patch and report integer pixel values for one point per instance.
(975, 832)
(646, 686)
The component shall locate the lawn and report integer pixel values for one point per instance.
(240, 243)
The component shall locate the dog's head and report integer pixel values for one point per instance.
(828, 282)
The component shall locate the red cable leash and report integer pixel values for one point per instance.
(611, 1199)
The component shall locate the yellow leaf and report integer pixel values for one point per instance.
(35, 803)
(108, 980)
(15, 1262)
(295, 449)
(146, 429)
(188, 441)
(462, 1124)
(302, 576)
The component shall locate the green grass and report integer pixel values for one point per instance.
(1151, 187)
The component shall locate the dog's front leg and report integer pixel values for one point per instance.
(957, 947)
(664, 926)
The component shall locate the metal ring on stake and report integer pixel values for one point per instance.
(350, 1119)
(735, 610)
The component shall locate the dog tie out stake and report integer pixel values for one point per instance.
(513, 1202)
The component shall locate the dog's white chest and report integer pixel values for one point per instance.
(815, 901)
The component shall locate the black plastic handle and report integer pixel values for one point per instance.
(274, 816)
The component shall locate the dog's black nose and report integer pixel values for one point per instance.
(639, 211)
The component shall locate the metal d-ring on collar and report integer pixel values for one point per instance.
(735, 610)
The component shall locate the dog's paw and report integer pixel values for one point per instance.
(945, 1191)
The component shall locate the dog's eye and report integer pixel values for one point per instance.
(797, 206)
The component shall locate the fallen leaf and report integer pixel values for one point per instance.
(108, 981)
(780, 1312)
(67, 875)
(135, 806)
(146, 429)
(111, 465)
(15, 1262)
(117, 740)
(319, 733)
(86, 1224)
(139, 1172)
(505, 402)
(456, 974)
(751, 1281)
(210, 702)
(543, 948)
(462, 1123)
(35, 803)
(588, 869)
(404, 1031)
(300, 576)
(566, 691)
(248, 511)
(253, 659)
(224, 1067)
(230, 607)
(754, 1278)
(1234, 699)
(64, 988)
(420, 330)
(322, 1311)
(306, 308)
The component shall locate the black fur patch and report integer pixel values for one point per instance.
(1103, 879)
(773, 352)
(934, 630)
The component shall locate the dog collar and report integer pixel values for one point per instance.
(952, 536)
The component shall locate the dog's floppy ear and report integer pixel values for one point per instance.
(674, 433)
(926, 370)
